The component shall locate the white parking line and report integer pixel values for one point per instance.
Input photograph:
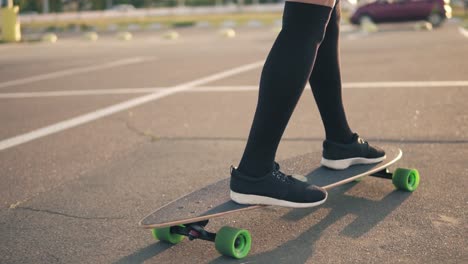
(355, 85)
(80, 92)
(409, 84)
(224, 89)
(42, 132)
(463, 31)
(74, 71)
(351, 85)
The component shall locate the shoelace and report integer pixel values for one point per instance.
(283, 177)
(362, 141)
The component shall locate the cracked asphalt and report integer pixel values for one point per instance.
(77, 195)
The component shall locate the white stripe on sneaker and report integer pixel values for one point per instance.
(345, 163)
(264, 200)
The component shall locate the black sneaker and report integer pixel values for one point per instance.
(275, 188)
(339, 156)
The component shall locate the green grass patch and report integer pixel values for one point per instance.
(167, 21)
(182, 24)
(459, 13)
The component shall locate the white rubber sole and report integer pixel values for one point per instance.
(346, 163)
(264, 200)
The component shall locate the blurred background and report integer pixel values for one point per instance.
(110, 109)
(58, 16)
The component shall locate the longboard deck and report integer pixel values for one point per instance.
(214, 201)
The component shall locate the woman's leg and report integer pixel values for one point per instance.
(325, 81)
(258, 180)
(342, 148)
(284, 76)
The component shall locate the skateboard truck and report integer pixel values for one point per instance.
(194, 231)
(229, 241)
(197, 231)
(385, 174)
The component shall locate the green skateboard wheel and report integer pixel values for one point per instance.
(233, 242)
(406, 179)
(164, 234)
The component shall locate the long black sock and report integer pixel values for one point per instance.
(284, 76)
(325, 81)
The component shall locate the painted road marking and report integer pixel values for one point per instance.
(463, 31)
(55, 128)
(351, 85)
(355, 85)
(72, 71)
(80, 92)
(409, 84)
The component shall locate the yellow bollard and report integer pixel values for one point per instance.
(10, 24)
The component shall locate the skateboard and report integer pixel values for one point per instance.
(189, 215)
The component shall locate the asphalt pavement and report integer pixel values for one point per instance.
(95, 135)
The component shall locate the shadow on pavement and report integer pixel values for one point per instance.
(369, 213)
(144, 254)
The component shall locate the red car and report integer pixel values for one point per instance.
(384, 11)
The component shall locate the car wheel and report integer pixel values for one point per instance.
(435, 19)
